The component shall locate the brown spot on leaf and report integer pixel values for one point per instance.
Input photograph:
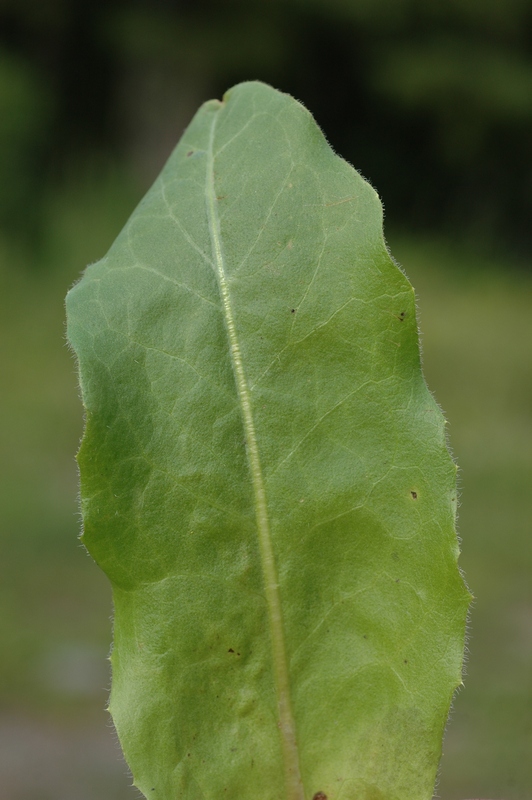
(320, 796)
(414, 495)
(230, 650)
(190, 153)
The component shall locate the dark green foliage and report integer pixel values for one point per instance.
(433, 94)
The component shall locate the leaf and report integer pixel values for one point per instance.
(264, 476)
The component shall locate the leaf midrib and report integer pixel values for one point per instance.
(294, 787)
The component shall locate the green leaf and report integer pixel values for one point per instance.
(264, 476)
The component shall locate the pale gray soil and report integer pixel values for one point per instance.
(42, 761)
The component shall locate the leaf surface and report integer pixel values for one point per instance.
(264, 476)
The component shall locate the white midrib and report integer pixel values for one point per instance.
(294, 786)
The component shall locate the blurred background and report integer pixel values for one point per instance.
(432, 101)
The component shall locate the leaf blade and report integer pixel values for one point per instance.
(264, 390)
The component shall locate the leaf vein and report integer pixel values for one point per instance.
(271, 585)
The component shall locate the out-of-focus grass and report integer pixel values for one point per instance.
(54, 601)
(55, 604)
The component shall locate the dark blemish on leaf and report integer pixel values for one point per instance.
(414, 495)
(365, 637)
(398, 580)
(293, 311)
(405, 661)
(221, 197)
(320, 796)
(402, 315)
(230, 650)
(190, 153)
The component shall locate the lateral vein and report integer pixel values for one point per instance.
(294, 785)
